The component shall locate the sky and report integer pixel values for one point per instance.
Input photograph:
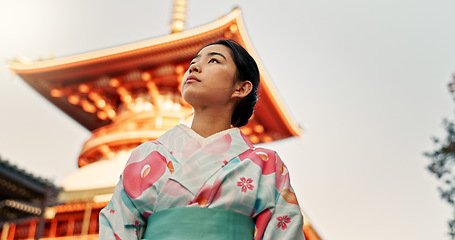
(366, 80)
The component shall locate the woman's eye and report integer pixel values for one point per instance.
(213, 61)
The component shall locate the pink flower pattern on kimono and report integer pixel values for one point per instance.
(282, 222)
(139, 176)
(245, 184)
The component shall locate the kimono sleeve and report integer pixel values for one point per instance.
(121, 219)
(285, 220)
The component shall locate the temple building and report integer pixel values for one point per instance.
(128, 95)
(23, 200)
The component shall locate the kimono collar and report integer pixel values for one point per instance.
(199, 158)
(182, 142)
(202, 140)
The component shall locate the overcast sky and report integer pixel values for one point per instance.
(366, 80)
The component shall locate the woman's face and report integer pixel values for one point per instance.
(209, 80)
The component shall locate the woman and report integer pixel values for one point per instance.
(207, 181)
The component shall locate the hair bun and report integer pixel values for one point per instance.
(244, 110)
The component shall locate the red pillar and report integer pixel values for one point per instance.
(70, 228)
(93, 222)
(53, 228)
(12, 230)
(32, 229)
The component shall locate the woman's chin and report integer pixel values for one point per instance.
(202, 100)
(191, 99)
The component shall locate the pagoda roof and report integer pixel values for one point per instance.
(21, 192)
(45, 75)
(26, 185)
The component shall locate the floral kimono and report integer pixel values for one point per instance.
(224, 171)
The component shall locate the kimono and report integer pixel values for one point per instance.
(223, 171)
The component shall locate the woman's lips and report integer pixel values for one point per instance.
(191, 79)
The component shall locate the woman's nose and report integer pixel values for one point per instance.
(195, 68)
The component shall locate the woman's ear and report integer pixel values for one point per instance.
(243, 88)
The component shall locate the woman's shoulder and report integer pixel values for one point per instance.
(267, 159)
(148, 146)
(264, 153)
(144, 149)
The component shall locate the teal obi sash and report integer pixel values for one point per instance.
(193, 223)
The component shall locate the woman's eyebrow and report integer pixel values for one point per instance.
(195, 57)
(211, 54)
(217, 53)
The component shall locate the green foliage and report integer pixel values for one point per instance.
(443, 165)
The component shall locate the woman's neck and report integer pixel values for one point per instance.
(207, 122)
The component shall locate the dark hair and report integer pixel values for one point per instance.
(247, 69)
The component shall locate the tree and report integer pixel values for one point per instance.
(443, 164)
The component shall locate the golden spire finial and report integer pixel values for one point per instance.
(178, 16)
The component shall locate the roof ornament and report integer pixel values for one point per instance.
(178, 16)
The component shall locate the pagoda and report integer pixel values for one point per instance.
(128, 95)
